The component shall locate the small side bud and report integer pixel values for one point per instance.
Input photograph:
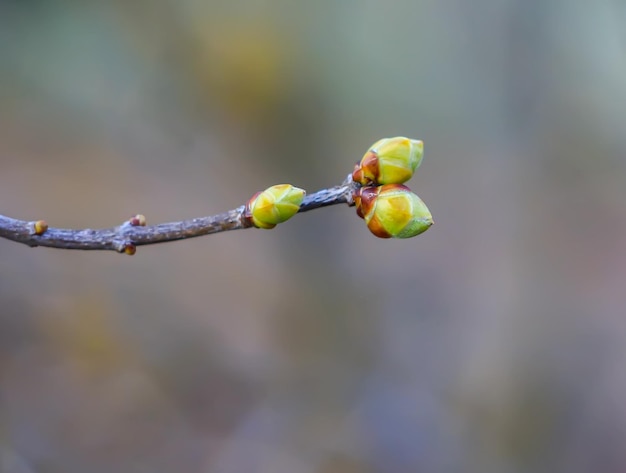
(138, 220)
(389, 161)
(40, 227)
(274, 205)
(393, 211)
(130, 249)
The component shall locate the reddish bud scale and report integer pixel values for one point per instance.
(365, 171)
(364, 199)
(248, 212)
(138, 220)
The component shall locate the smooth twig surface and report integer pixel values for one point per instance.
(126, 237)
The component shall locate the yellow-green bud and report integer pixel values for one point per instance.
(274, 205)
(40, 227)
(389, 161)
(393, 211)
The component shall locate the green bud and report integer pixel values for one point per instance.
(389, 161)
(274, 205)
(392, 211)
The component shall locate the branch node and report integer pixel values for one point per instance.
(124, 246)
(348, 181)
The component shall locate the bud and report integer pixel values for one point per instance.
(389, 161)
(40, 227)
(392, 211)
(274, 205)
(138, 220)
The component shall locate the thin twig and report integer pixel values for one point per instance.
(126, 237)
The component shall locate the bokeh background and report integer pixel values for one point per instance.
(495, 342)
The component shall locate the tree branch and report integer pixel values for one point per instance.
(126, 237)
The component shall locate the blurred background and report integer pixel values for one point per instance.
(495, 342)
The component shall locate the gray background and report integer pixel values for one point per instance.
(492, 343)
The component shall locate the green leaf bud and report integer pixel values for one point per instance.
(389, 161)
(274, 205)
(392, 211)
